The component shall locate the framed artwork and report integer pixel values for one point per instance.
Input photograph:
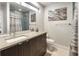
(33, 17)
(57, 14)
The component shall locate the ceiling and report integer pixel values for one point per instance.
(18, 7)
(45, 3)
(15, 6)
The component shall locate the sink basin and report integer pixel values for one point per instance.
(16, 39)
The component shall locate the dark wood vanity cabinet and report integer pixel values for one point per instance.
(34, 47)
(21, 49)
(24, 49)
(38, 45)
(12, 51)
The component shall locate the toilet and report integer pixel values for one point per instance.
(50, 43)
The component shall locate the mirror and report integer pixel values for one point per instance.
(3, 18)
(15, 17)
(19, 18)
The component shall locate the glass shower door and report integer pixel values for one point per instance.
(25, 21)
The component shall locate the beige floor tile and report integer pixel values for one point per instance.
(56, 50)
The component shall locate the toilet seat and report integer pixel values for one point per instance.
(51, 41)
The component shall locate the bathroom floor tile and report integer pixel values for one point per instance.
(56, 50)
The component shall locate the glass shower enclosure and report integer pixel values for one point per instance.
(19, 19)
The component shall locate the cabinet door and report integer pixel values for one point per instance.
(42, 45)
(12, 51)
(38, 45)
(33, 46)
(20, 49)
(24, 49)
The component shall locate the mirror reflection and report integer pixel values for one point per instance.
(3, 18)
(15, 18)
(19, 18)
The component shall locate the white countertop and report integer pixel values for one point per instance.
(6, 40)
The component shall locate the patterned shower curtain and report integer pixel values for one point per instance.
(74, 42)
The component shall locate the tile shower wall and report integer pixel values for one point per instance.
(15, 21)
(25, 21)
(19, 21)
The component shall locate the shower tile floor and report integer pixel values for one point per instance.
(57, 50)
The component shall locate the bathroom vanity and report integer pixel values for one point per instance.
(15, 37)
(28, 44)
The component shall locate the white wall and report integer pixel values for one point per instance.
(40, 18)
(3, 11)
(1, 19)
(4, 8)
(5, 17)
(60, 31)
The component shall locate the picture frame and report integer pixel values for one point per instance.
(33, 17)
(58, 14)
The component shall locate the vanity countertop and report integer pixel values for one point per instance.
(19, 37)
